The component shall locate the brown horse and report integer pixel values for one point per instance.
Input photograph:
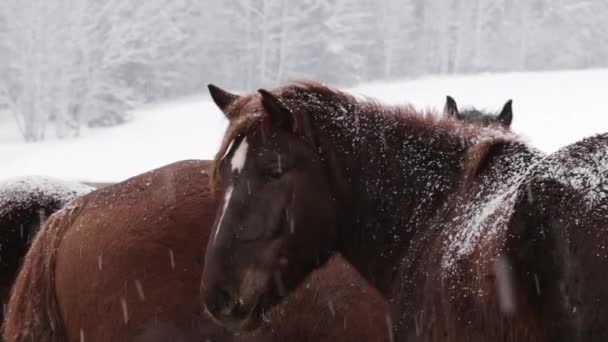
(470, 234)
(124, 263)
(24, 203)
(478, 117)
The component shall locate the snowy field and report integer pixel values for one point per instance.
(551, 109)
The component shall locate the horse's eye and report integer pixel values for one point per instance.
(274, 173)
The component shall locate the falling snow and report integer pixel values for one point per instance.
(171, 258)
(140, 290)
(505, 285)
(125, 310)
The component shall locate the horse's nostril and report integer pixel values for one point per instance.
(223, 298)
(239, 311)
(218, 300)
(222, 304)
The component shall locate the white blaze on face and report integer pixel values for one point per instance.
(237, 163)
(224, 208)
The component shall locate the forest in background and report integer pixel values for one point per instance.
(68, 64)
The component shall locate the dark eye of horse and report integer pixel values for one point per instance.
(274, 173)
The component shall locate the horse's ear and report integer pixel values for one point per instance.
(279, 113)
(283, 116)
(222, 98)
(450, 109)
(506, 114)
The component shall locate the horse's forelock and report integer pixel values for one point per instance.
(245, 114)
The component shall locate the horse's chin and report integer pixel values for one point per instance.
(244, 326)
(254, 320)
(238, 326)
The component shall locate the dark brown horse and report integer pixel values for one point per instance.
(24, 203)
(124, 263)
(478, 117)
(470, 234)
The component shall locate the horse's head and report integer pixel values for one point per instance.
(475, 116)
(276, 222)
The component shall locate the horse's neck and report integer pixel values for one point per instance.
(398, 176)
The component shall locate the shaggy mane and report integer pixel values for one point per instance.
(248, 112)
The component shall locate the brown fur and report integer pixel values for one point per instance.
(134, 250)
(514, 255)
(246, 113)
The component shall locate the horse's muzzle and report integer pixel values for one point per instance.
(231, 312)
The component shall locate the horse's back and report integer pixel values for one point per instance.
(158, 221)
(525, 264)
(334, 304)
(560, 235)
(546, 269)
(130, 258)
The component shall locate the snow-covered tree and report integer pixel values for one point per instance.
(347, 39)
(396, 29)
(65, 64)
(75, 62)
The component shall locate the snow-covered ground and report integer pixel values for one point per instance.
(551, 109)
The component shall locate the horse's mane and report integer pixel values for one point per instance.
(247, 111)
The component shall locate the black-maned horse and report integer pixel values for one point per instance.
(470, 234)
(479, 117)
(25, 202)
